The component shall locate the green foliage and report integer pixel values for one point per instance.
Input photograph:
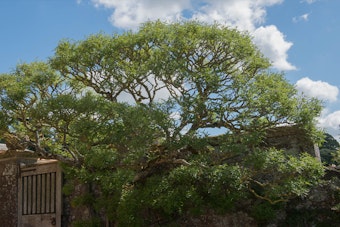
(336, 156)
(131, 114)
(328, 156)
(330, 143)
(277, 177)
(329, 150)
(212, 76)
(184, 190)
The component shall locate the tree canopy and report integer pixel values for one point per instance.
(135, 114)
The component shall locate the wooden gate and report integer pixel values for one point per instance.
(39, 195)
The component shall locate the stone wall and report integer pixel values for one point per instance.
(292, 139)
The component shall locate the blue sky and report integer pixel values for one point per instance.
(301, 37)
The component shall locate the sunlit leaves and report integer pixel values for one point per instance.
(277, 176)
(214, 76)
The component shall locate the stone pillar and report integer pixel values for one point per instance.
(9, 176)
(9, 171)
(317, 152)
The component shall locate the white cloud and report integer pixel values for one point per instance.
(130, 13)
(318, 89)
(273, 45)
(244, 14)
(303, 17)
(331, 120)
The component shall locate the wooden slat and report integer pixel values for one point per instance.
(53, 192)
(34, 194)
(48, 193)
(43, 193)
(38, 194)
(29, 194)
(24, 195)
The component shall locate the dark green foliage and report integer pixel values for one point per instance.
(327, 156)
(328, 150)
(264, 212)
(330, 142)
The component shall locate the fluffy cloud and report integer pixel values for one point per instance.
(330, 121)
(244, 14)
(318, 89)
(130, 13)
(272, 44)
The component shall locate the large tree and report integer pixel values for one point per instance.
(134, 114)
